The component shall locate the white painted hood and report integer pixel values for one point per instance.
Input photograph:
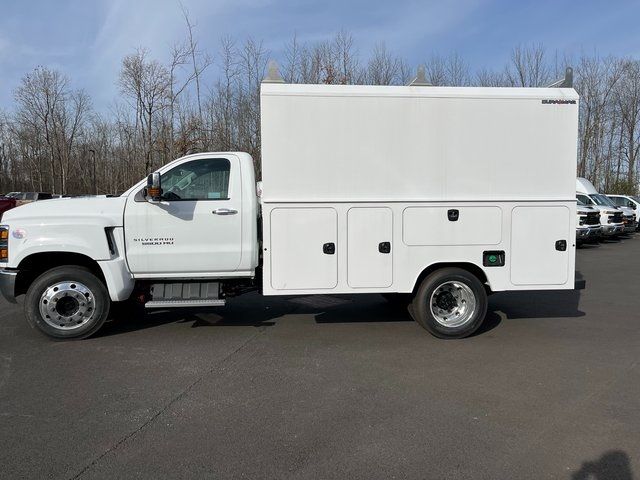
(107, 211)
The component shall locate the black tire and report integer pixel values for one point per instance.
(92, 320)
(421, 307)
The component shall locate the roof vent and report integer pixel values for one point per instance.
(566, 82)
(273, 75)
(421, 78)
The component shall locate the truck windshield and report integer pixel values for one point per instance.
(602, 200)
(584, 200)
(619, 201)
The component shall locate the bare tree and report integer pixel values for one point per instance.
(628, 103)
(50, 114)
(528, 67)
(383, 67)
(52, 140)
(450, 71)
(200, 61)
(145, 83)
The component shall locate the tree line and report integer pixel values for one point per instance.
(53, 140)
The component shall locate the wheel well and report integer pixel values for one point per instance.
(34, 265)
(469, 267)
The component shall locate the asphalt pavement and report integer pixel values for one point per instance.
(336, 387)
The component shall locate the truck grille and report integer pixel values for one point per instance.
(616, 217)
(591, 218)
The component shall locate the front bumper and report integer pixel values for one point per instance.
(585, 232)
(612, 229)
(8, 284)
(630, 227)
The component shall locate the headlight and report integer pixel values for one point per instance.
(19, 233)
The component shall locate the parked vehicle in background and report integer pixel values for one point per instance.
(628, 217)
(611, 217)
(28, 197)
(588, 227)
(6, 203)
(629, 201)
(630, 220)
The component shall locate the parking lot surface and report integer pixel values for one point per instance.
(336, 387)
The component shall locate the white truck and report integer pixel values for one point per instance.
(612, 218)
(440, 194)
(631, 202)
(588, 227)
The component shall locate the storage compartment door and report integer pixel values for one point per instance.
(369, 248)
(535, 257)
(302, 240)
(452, 225)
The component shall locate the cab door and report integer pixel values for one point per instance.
(195, 229)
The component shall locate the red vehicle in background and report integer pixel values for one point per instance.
(6, 203)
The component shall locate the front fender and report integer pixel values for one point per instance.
(88, 240)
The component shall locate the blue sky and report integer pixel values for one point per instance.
(87, 39)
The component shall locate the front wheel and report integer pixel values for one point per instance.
(67, 302)
(450, 303)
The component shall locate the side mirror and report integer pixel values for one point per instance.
(632, 205)
(154, 187)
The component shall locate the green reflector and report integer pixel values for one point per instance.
(493, 258)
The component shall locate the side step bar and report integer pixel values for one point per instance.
(185, 303)
(185, 294)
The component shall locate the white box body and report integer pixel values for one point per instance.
(360, 166)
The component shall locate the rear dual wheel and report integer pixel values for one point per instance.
(67, 302)
(450, 303)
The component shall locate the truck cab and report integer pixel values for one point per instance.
(201, 225)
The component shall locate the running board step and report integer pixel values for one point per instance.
(185, 294)
(185, 303)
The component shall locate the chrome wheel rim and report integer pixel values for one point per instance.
(452, 304)
(67, 305)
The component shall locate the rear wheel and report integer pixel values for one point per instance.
(67, 302)
(450, 303)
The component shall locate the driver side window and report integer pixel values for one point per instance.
(206, 179)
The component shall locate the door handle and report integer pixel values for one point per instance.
(329, 248)
(224, 211)
(384, 247)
